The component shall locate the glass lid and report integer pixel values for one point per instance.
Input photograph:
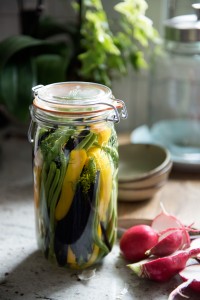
(76, 99)
(73, 93)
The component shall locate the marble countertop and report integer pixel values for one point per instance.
(26, 274)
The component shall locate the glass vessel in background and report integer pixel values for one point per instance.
(75, 167)
(174, 104)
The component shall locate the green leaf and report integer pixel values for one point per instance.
(16, 81)
(25, 81)
(137, 60)
(51, 68)
(131, 9)
(12, 45)
(8, 87)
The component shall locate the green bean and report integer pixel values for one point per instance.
(58, 188)
(53, 187)
(97, 239)
(44, 226)
(42, 182)
(113, 153)
(100, 255)
(91, 141)
(112, 225)
(84, 142)
(113, 236)
(110, 207)
(50, 177)
(111, 229)
(54, 199)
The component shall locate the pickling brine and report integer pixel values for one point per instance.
(75, 167)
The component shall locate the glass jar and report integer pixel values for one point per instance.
(75, 166)
(174, 104)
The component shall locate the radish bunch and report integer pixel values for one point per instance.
(161, 251)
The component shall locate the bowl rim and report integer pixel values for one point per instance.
(166, 162)
(166, 170)
(148, 181)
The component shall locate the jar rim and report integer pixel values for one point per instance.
(72, 93)
(74, 99)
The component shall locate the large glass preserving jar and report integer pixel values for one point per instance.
(75, 166)
(175, 91)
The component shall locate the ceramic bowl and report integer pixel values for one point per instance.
(139, 161)
(138, 194)
(148, 181)
(143, 170)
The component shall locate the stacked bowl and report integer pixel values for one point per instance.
(143, 170)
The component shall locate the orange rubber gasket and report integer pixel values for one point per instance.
(119, 105)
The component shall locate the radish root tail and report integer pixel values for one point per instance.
(178, 290)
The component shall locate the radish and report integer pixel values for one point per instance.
(165, 222)
(192, 273)
(162, 269)
(191, 277)
(136, 241)
(167, 244)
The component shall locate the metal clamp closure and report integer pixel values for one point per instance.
(36, 88)
(116, 117)
(124, 113)
(31, 126)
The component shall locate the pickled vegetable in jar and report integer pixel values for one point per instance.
(75, 167)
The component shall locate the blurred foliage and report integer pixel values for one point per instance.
(107, 53)
(87, 50)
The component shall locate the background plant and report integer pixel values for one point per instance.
(93, 48)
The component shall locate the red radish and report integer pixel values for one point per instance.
(166, 222)
(162, 269)
(136, 241)
(191, 277)
(186, 239)
(168, 244)
(192, 272)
